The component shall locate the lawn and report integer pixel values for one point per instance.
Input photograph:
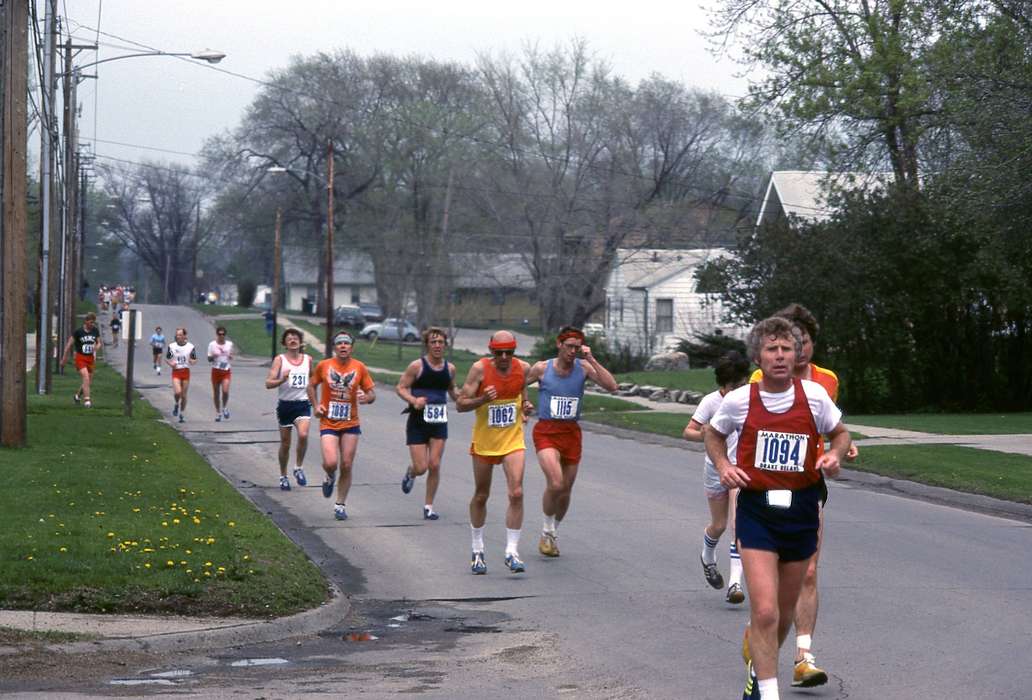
(224, 310)
(997, 474)
(249, 336)
(700, 380)
(105, 513)
(658, 422)
(951, 423)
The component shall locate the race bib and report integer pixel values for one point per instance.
(87, 348)
(435, 413)
(502, 415)
(780, 452)
(339, 410)
(181, 362)
(221, 364)
(157, 346)
(564, 407)
(298, 380)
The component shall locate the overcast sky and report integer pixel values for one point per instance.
(165, 103)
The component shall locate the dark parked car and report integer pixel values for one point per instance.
(372, 312)
(349, 317)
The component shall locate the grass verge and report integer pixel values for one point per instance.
(15, 636)
(996, 474)
(113, 514)
(951, 423)
(658, 422)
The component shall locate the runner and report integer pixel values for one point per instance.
(557, 434)
(806, 673)
(157, 343)
(781, 419)
(220, 355)
(347, 384)
(180, 355)
(732, 371)
(289, 373)
(87, 346)
(426, 385)
(116, 326)
(495, 389)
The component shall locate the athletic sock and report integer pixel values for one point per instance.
(803, 643)
(549, 525)
(709, 548)
(512, 541)
(736, 565)
(478, 538)
(769, 689)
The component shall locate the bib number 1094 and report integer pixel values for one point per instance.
(780, 452)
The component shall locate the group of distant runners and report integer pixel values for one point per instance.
(764, 436)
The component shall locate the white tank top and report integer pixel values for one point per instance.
(296, 386)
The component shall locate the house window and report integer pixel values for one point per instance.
(356, 295)
(664, 315)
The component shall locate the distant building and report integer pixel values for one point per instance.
(492, 289)
(804, 194)
(353, 279)
(653, 300)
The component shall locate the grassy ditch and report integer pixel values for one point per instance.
(105, 513)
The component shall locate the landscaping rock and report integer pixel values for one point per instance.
(661, 395)
(667, 361)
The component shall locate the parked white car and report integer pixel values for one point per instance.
(594, 329)
(391, 329)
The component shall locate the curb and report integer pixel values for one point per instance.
(303, 623)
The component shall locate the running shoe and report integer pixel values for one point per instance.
(87, 403)
(514, 563)
(182, 418)
(284, 483)
(407, 481)
(806, 674)
(338, 511)
(752, 684)
(299, 477)
(218, 417)
(77, 397)
(430, 514)
(225, 413)
(327, 485)
(175, 409)
(735, 594)
(477, 565)
(713, 577)
(547, 545)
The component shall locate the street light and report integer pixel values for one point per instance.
(330, 320)
(206, 55)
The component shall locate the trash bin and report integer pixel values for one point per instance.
(308, 306)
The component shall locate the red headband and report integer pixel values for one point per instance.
(572, 333)
(502, 344)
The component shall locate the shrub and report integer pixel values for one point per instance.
(245, 293)
(708, 348)
(616, 358)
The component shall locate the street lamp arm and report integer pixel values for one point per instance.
(207, 55)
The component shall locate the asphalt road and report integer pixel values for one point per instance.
(918, 599)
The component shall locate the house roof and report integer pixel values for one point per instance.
(483, 270)
(804, 193)
(647, 267)
(301, 265)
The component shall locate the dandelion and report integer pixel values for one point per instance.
(170, 563)
(164, 523)
(247, 557)
(63, 549)
(175, 521)
(197, 521)
(232, 524)
(136, 510)
(30, 557)
(147, 565)
(207, 563)
(110, 535)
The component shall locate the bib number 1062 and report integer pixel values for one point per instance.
(501, 415)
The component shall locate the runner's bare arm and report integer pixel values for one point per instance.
(528, 407)
(596, 372)
(716, 447)
(693, 432)
(536, 372)
(831, 461)
(404, 388)
(467, 400)
(67, 350)
(367, 392)
(273, 378)
(452, 391)
(313, 397)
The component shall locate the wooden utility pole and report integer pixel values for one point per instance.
(130, 356)
(48, 141)
(277, 261)
(14, 283)
(329, 253)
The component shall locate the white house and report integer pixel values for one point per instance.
(353, 279)
(652, 300)
(804, 194)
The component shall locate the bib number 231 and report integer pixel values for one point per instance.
(501, 415)
(780, 452)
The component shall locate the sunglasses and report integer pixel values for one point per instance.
(502, 353)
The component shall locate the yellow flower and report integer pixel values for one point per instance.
(136, 510)
(147, 565)
(111, 534)
(30, 557)
(175, 521)
(232, 524)
(164, 523)
(207, 563)
(170, 563)
(63, 549)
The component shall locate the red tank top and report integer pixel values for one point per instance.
(508, 386)
(779, 450)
